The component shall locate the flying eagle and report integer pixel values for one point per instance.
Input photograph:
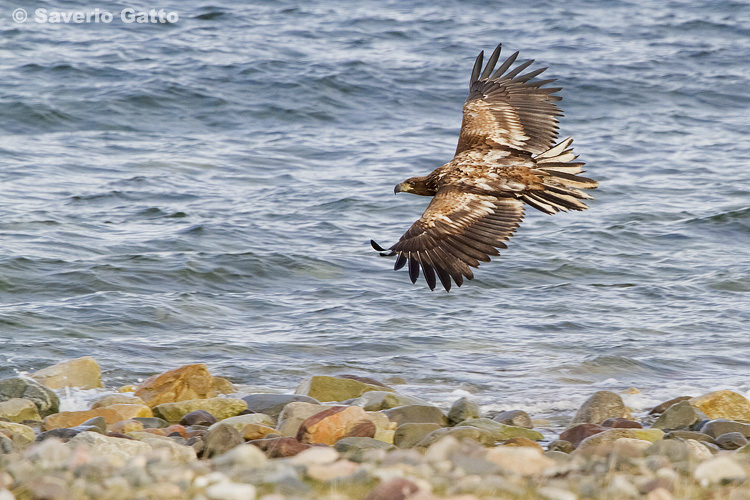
(505, 158)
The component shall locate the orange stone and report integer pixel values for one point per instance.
(158, 432)
(181, 384)
(256, 431)
(73, 418)
(180, 429)
(337, 422)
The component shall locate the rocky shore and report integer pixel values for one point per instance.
(186, 434)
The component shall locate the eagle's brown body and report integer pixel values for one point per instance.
(505, 158)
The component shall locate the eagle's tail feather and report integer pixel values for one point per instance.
(560, 180)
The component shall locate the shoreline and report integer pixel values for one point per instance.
(186, 433)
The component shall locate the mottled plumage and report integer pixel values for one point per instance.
(505, 158)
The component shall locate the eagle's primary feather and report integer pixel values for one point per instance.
(506, 157)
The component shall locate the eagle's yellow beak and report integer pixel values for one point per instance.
(401, 188)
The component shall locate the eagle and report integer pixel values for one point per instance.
(506, 158)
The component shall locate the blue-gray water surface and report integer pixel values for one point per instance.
(205, 191)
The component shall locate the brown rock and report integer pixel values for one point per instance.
(256, 431)
(337, 422)
(723, 404)
(579, 432)
(280, 447)
(180, 384)
(522, 441)
(395, 489)
(621, 423)
(657, 410)
(80, 372)
(365, 428)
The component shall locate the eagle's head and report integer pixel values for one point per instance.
(414, 185)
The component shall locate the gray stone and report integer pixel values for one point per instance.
(409, 434)
(356, 447)
(659, 409)
(418, 414)
(97, 422)
(245, 456)
(63, 433)
(561, 445)
(676, 451)
(518, 418)
(6, 444)
(219, 439)
(273, 404)
(463, 409)
(45, 399)
(685, 435)
(599, 407)
(481, 436)
(198, 417)
(501, 432)
(731, 441)
(716, 428)
(152, 422)
(384, 400)
(681, 415)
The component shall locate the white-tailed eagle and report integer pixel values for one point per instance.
(506, 157)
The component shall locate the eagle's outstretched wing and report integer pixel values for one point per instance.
(505, 109)
(457, 230)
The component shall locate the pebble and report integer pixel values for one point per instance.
(599, 407)
(501, 432)
(273, 404)
(520, 460)
(239, 422)
(324, 388)
(198, 417)
(409, 434)
(219, 439)
(293, 414)
(18, 409)
(731, 441)
(184, 383)
(243, 456)
(83, 373)
(337, 422)
(417, 414)
(716, 428)
(220, 408)
(463, 409)
(518, 418)
(576, 434)
(621, 423)
(395, 489)
(113, 399)
(481, 436)
(680, 415)
(723, 404)
(45, 399)
(661, 408)
(717, 470)
(231, 491)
